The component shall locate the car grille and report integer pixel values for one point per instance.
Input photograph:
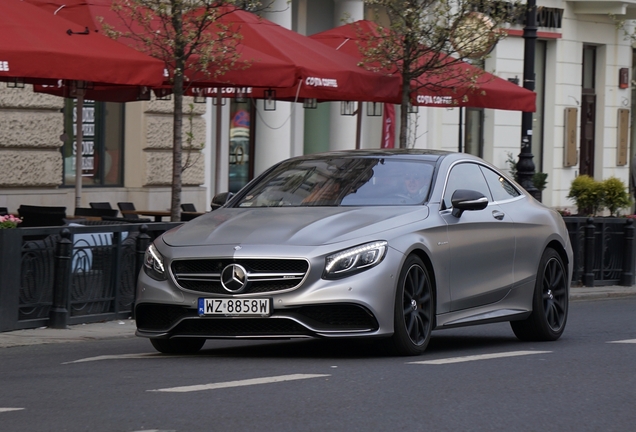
(158, 317)
(255, 327)
(263, 275)
(338, 317)
(305, 320)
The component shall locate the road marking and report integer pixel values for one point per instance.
(119, 357)
(156, 430)
(10, 409)
(625, 341)
(247, 382)
(479, 357)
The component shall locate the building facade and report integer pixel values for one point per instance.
(583, 66)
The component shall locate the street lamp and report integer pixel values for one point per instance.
(525, 166)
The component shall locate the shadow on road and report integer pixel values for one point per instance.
(441, 344)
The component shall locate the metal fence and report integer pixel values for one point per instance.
(603, 250)
(71, 275)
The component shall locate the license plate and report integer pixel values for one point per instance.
(234, 307)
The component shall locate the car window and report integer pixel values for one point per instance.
(342, 182)
(501, 188)
(465, 176)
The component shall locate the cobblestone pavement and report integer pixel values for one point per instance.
(126, 328)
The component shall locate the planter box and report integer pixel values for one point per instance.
(603, 250)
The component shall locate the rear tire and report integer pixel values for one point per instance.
(414, 311)
(178, 346)
(549, 304)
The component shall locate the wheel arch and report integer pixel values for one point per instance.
(558, 247)
(421, 254)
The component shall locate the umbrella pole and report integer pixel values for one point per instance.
(79, 138)
(460, 147)
(358, 125)
(219, 123)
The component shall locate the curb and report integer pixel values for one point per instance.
(125, 329)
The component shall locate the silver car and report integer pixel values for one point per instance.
(387, 244)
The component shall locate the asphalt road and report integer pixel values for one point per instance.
(472, 379)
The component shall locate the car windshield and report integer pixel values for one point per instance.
(342, 182)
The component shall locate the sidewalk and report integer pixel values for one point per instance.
(120, 329)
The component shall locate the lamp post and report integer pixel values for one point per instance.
(525, 166)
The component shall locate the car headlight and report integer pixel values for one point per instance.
(354, 260)
(153, 263)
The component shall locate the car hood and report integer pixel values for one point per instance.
(297, 226)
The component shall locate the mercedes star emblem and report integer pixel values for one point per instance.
(234, 278)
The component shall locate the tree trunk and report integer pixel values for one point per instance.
(177, 147)
(177, 115)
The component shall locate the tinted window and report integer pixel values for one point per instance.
(342, 182)
(501, 188)
(465, 176)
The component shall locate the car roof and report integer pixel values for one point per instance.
(419, 154)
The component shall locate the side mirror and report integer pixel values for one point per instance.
(464, 199)
(219, 200)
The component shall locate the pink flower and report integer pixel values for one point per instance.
(9, 221)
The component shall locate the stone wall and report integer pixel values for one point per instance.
(158, 151)
(30, 129)
(31, 162)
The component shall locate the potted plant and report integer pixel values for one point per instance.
(602, 245)
(615, 196)
(9, 221)
(587, 193)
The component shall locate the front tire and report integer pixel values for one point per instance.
(414, 310)
(178, 346)
(549, 304)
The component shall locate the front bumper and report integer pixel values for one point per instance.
(165, 321)
(357, 306)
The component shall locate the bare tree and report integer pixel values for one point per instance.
(186, 35)
(419, 38)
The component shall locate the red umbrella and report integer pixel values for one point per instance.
(281, 58)
(322, 74)
(445, 87)
(264, 70)
(36, 47)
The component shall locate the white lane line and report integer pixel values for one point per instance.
(624, 341)
(119, 357)
(479, 357)
(10, 409)
(247, 382)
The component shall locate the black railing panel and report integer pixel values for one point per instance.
(99, 283)
(605, 249)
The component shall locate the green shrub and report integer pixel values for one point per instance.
(615, 195)
(587, 193)
(540, 180)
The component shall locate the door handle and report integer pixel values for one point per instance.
(498, 215)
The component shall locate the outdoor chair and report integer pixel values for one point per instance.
(127, 206)
(95, 212)
(101, 205)
(4, 211)
(188, 207)
(41, 216)
(185, 217)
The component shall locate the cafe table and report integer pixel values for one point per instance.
(157, 214)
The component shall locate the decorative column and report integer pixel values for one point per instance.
(342, 133)
(273, 128)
